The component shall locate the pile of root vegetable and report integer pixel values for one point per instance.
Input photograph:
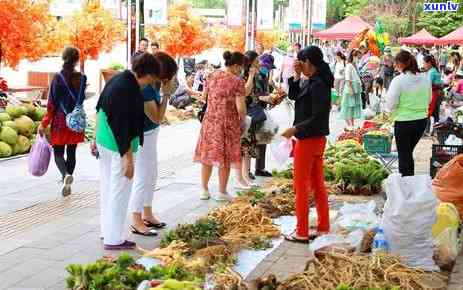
(210, 244)
(378, 271)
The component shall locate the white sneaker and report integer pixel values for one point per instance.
(222, 197)
(66, 188)
(241, 186)
(204, 195)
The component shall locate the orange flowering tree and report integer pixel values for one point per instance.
(24, 30)
(235, 39)
(92, 30)
(184, 35)
(268, 38)
(231, 39)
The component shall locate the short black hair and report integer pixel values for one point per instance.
(167, 65)
(155, 44)
(144, 39)
(145, 64)
(235, 58)
(313, 54)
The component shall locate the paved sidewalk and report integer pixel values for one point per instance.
(41, 232)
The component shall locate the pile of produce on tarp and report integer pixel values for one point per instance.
(352, 170)
(335, 270)
(124, 273)
(18, 128)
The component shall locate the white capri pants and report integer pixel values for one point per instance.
(114, 196)
(146, 173)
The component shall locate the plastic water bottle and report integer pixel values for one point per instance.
(380, 244)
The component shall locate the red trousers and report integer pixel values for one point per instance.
(309, 179)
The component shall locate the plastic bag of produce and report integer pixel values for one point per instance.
(447, 184)
(327, 240)
(39, 157)
(446, 249)
(358, 216)
(267, 132)
(281, 149)
(409, 214)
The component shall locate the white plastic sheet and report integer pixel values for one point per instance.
(409, 214)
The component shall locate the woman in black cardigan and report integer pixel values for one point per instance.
(311, 89)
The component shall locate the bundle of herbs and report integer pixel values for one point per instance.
(122, 274)
(204, 232)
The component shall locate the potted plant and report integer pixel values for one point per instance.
(112, 70)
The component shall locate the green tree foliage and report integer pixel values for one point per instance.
(211, 4)
(396, 26)
(440, 23)
(354, 7)
(335, 11)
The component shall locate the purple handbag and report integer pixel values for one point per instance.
(39, 157)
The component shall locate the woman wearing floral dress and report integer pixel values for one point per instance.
(219, 140)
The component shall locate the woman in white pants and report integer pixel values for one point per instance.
(119, 132)
(144, 221)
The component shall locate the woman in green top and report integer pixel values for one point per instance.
(408, 99)
(119, 132)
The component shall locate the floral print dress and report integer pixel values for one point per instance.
(219, 139)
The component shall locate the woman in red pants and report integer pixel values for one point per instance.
(311, 89)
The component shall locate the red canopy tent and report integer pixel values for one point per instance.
(421, 37)
(455, 37)
(344, 30)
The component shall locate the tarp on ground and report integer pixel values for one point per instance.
(344, 30)
(419, 38)
(455, 37)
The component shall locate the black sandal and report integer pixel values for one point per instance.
(153, 225)
(148, 233)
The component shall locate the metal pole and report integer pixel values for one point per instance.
(129, 32)
(254, 24)
(248, 24)
(309, 32)
(305, 20)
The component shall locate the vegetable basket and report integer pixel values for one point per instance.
(377, 144)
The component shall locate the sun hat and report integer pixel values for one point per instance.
(266, 60)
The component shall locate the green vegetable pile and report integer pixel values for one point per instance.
(18, 128)
(199, 235)
(119, 274)
(287, 173)
(352, 170)
(254, 194)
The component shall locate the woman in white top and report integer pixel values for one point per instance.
(339, 72)
(351, 104)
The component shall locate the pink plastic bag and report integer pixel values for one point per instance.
(39, 157)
